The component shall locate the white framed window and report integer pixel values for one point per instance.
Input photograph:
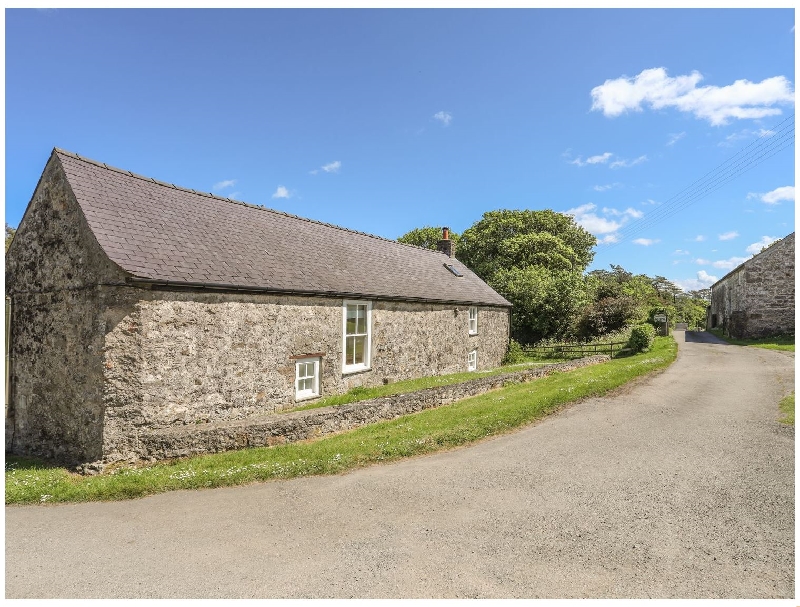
(472, 360)
(306, 382)
(473, 320)
(356, 335)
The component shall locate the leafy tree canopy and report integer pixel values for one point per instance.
(523, 238)
(427, 237)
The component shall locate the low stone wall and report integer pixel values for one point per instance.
(300, 425)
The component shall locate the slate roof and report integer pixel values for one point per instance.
(161, 233)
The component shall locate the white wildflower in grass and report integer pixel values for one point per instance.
(44, 498)
(184, 474)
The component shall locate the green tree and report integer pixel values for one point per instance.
(524, 238)
(545, 302)
(9, 235)
(702, 294)
(427, 237)
(535, 259)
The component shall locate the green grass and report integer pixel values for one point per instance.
(463, 422)
(787, 408)
(777, 342)
(411, 385)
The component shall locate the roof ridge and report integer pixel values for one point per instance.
(77, 156)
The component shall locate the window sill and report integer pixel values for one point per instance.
(303, 397)
(473, 334)
(355, 370)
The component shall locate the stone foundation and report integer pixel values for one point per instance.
(265, 431)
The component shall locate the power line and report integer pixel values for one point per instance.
(770, 143)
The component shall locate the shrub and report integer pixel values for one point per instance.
(641, 338)
(607, 315)
(514, 354)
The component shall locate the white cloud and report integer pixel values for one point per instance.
(646, 242)
(675, 137)
(332, 167)
(775, 196)
(702, 262)
(728, 235)
(599, 159)
(729, 264)
(586, 218)
(680, 252)
(741, 100)
(649, 201)
(221, 185)
(699, 238)
(703, 281)
(606, 187)
(629, 211)
(744, 134)
(281, 192)
(622, 163)
(757, 246)
(444, 117)
(596, 159)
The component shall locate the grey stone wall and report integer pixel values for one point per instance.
(54, 270)
(175, 359)
(757, 298)
(268, 430)
(96, 363)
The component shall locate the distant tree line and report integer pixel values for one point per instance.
(537, 260)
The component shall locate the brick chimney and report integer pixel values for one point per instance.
(445, 245)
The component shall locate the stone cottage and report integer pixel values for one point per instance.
(756, 299)
(137, 305)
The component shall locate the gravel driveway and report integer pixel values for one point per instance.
(681, 485)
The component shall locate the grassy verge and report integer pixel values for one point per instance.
(432, 430)
(777, 342)
(411, 385)
(787, 408)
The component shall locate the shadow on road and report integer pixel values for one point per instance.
(702, 337)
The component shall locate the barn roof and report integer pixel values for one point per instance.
(164, 234)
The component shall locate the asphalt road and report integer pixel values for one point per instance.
(681, 485)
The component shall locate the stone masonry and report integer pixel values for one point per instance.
(268, 430)
(98, 362)
(179, 359)
(757, 298)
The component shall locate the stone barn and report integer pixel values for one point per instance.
(756, 299)
(137, 305)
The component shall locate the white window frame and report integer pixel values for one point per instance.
(306, 393)
(473, 320)
(354, 368)
(472, 360)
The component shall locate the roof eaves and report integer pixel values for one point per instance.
(180, 285)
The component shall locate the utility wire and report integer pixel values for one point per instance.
(780, 137)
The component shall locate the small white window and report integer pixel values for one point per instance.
(356, 334)
(306, 383)
(472, 360)
(473, 320)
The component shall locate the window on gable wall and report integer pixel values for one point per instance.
(473, 320)
(306, 383)
(472, 360)
(357, 335)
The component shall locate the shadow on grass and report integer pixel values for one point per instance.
(22, 462)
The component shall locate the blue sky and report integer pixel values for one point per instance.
(386, 120)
